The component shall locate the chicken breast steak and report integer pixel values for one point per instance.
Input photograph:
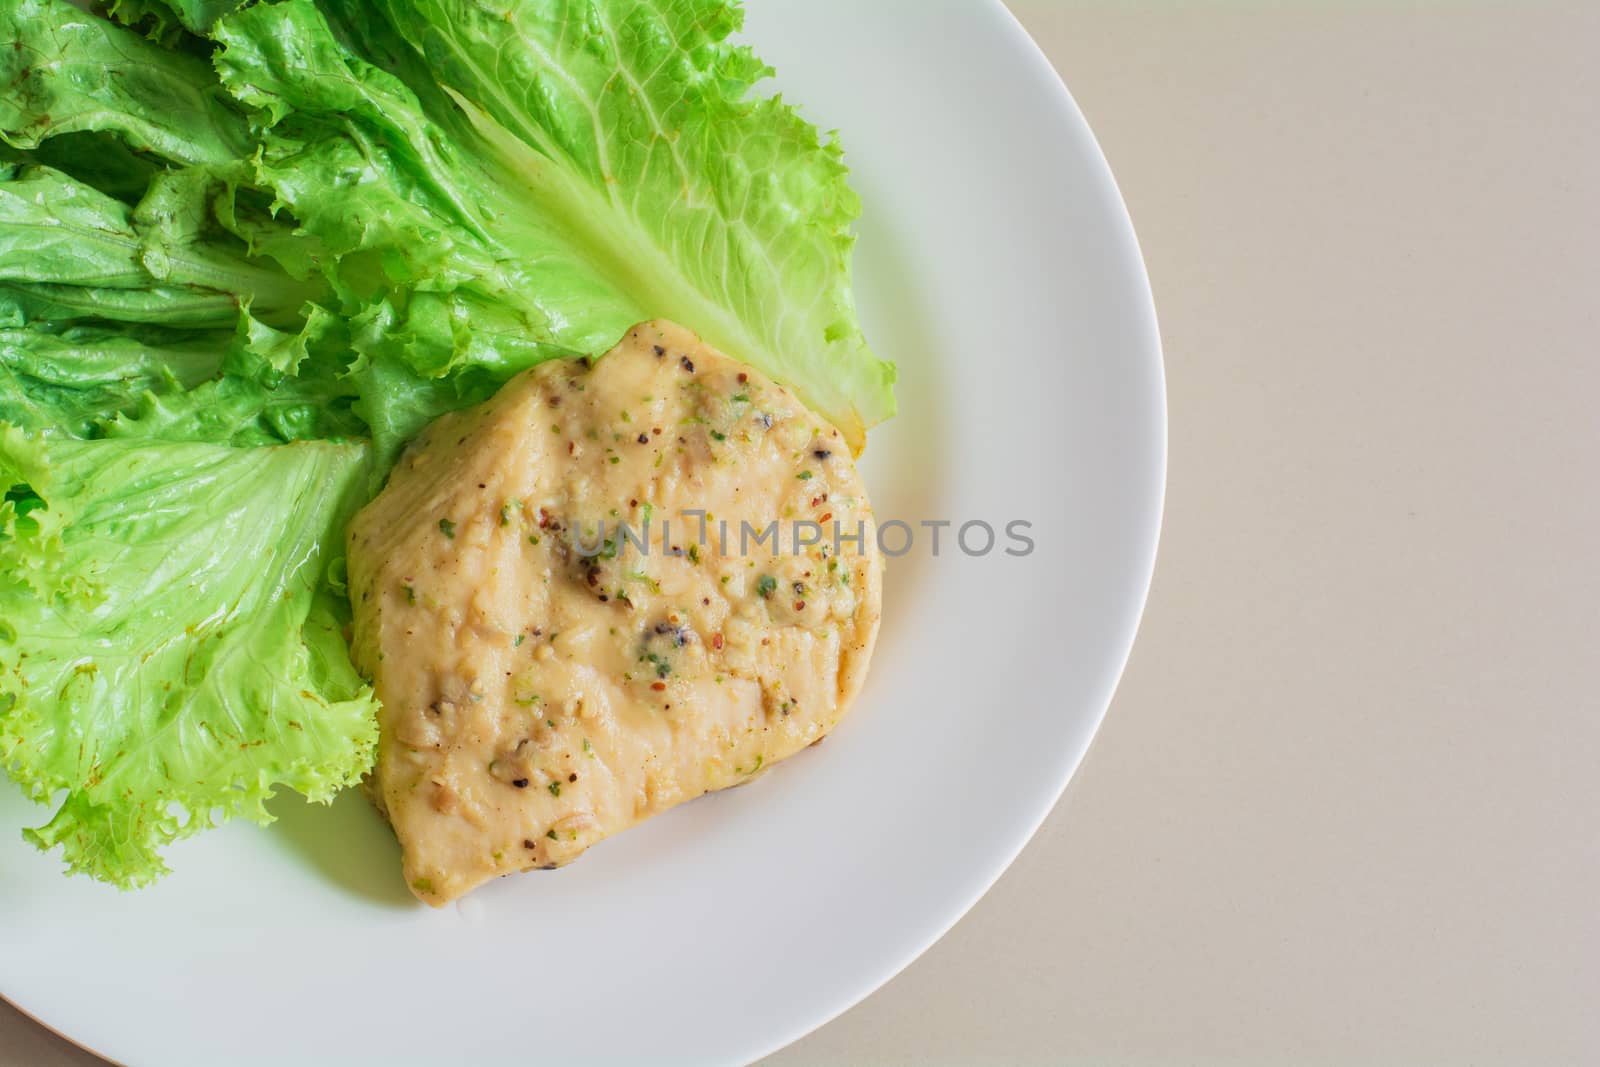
(608, 590)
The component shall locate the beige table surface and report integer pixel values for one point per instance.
(1344, 809)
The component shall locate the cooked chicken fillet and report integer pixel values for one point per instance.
(576, 615)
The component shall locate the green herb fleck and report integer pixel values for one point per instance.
(641, 576)
(447, 528)
(516, 642)
(411, 595)
(718, 435)
(766, 585)
(804, 476)
(662, 665)
(551, 834)
(555, 789)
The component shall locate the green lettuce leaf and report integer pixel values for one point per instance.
(482, 186)
(274, 387)
(65, 72)
(69, 251)
(587, 164)
(160, 17)
(253, 386)
(635, 123)
(170, 653)
(101, 160)
(430, 237)
(393, 399)
(75, 378)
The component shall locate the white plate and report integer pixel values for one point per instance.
(997, 266)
